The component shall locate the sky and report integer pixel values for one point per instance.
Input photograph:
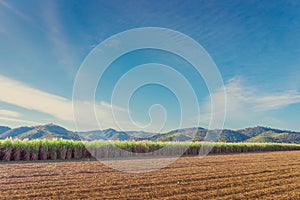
(254, 44)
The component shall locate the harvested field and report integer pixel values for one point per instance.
(269, 175)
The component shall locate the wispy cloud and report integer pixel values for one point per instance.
(13, 121)
(114, 107)
(246, 105)
(258, 101)
(112, 116)
(277, 101)
(9, 113)
(15, 11)
(22, 95)
(56, 34)
(16, 93)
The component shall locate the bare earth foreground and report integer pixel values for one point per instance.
(274, 175)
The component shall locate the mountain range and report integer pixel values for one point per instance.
(254, 134)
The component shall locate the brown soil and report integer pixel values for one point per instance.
(273, 175)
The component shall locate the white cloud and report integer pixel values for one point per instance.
(119, 119)
(9, 113)
(103, 104)
(276, 101)
(13, 121)
(246, 105)
(258, 101)
(19, 94)
(86, 115)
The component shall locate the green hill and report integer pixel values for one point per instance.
(274, 137)
(255, 134)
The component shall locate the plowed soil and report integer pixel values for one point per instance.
(272, 175)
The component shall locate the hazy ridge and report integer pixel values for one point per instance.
(253, 134)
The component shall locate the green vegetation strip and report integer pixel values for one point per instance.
(16, 150)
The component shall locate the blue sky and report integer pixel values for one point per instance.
(255, 45)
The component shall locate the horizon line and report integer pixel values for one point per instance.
(62, 126)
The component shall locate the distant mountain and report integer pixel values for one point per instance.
(3, 129)
(108, 134)
(186, 134)
(16, 132)
(47, 131)
(254, 134)
(139, 134)
(271, 136)
(255, 131)
(200, 134)
(111, 134)
(233, 136)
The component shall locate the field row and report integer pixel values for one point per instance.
(15, 150)
(271, 175)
